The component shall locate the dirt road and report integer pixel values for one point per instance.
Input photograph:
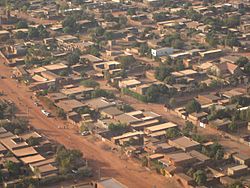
(107, 163)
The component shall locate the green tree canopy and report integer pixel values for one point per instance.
(193, 106)
(90, 83)
(200, 177)
(172, 133)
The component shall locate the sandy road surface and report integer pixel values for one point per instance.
(126, 171)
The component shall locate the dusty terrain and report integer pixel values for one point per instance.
(105, 162)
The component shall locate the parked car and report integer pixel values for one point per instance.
(85, 133)
(45, 113)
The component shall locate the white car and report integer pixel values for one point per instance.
(85, 133)
(45, 113)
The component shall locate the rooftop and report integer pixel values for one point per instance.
(110, 183)
(161, 127)
(69, 105)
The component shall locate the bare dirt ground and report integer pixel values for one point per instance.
(109, 164)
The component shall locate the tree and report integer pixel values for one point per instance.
(231, 40)
(131, 11)
(109, 17)
(20, 35)
(242, 61)
(159, 16)
(74, 57)
(60, 113)
(43, 33)
(33, 33)
(172, 133)
(118, 127)
(193, 106)
(189, 128)
(94, 50)
(236, 184)
(162, 72)
(127, 61)
(90, 83)
(172, 102)
(102, 93)
(21, 24)
(68, 159)
(123, 21)
(232, 126)
(32, 141)
(12, 168)
(215, 151)
(151, 94)
(144, 49)
(126, 108)
(69, 24)
(200, 177)
(232, 21)
(212, 39)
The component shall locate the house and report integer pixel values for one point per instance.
(162, 51)
(33, 134)
(69, 105)
(90, 58)
(197, 116)
(108, 183)
(143, 124)
(138, 119)
(73, 91)
(129, 83)
(127, 119)
(17, 146)
(230, 58)
(32, 159)
(184, 180)
(56, 97)
(184, 143)
(99, 103)
(4, 35)
(56, 68)
(74, 118)
(220, 124)
(200, 157)
(179, 159)
(160, 127)
(122, 139)
(225, 69)
(110, 112)
(211, 54)
(158, 148)
(66, 39)
(19, 71)
(242, 159)
(237, 170)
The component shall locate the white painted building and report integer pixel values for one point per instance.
(162, 51)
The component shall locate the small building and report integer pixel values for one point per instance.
(162, 51)
(211, 54)
(184, 180)
(109, 183)
(129, 83)
(122, 139)
(241, 159)
(179, 159)
(110, 112)
(161, 127)
(184, 143)
(70, 105)
(237, 170)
